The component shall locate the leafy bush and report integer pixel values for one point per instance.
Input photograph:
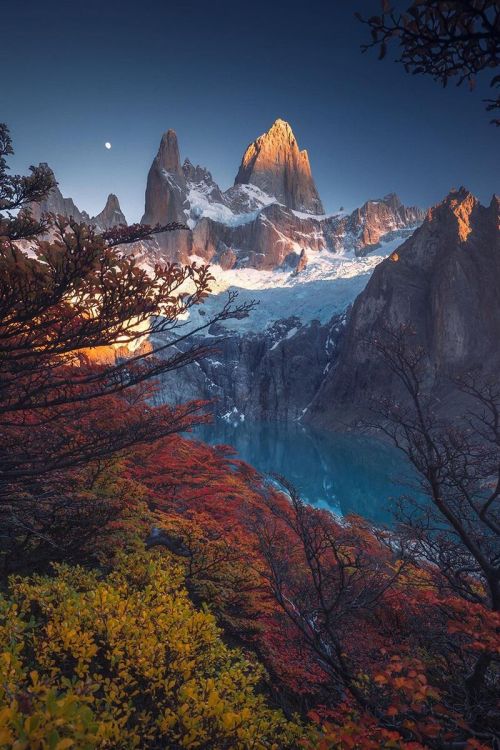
(125, 661)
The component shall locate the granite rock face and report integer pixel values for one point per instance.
(301, 263)
(276, 235)
(111, 215)
(275, 164)
(166, 185)
(271, 375)
(55, 203)
(199, 178)
(444, 283)
(377, 219)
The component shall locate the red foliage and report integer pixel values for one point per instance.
(405, 646)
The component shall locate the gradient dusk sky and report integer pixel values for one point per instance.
(78, 74)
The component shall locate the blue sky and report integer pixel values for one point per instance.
(219, 73)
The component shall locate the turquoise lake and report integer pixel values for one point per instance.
(344, 472)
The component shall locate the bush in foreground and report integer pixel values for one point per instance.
(122, 661)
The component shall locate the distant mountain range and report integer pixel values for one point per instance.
(55, 203)
(325, 283)
(304, 355)
(268, 219)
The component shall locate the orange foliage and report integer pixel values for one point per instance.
(407, 650)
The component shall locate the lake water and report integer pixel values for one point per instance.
(343, 472)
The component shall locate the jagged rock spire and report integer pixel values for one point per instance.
(275, 164)
(55, 203)
(168, 157)
(111, 215)
(166, 184)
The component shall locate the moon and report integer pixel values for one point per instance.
(107, 145)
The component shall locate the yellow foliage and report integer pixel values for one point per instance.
(125, 661)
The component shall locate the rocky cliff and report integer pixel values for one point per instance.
(376, 220)
(272, 375)
(55, 203)
(111, 215)
(274, 163)
(166, 184)
(444, 283)
(268, 218)
(277, 236)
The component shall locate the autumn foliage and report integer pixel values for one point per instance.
(66, 294)
(126, 661)
(354, 633)
(451, 41)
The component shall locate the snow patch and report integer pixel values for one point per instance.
(201, 206)
(233, 416)
(326, 287)
(319, 217)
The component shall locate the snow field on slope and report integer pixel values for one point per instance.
(201, 206)
(329, 284)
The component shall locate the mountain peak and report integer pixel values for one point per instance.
(459, 195)
(112, 202)
(168, 157)
(393, 200)
(55, 203)
(111, 215)
(282, 127)
(166, 184)
(275, 164)
(458, 206)
(442, 284)
(280, 123)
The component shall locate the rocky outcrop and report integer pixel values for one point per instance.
(301, 263)
(275, 164)
(243, 199)
(200, 179)
(111, 215)
(273, 237)
(377, 220)
(272, 375)
(245, 226)
(55, 203)
(276, 235)
(166, 185)
(444, 283)
(165, 202)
